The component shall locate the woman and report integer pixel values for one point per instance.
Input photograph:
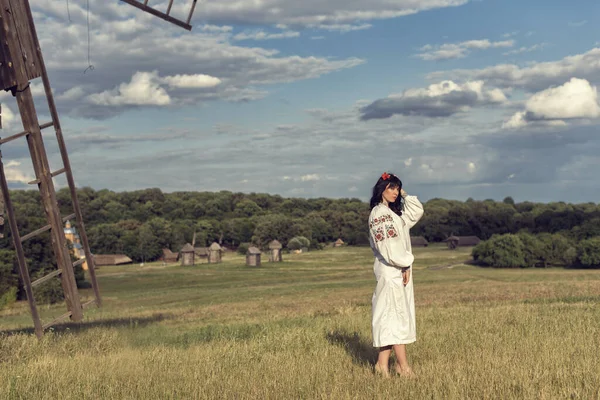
(393, 305)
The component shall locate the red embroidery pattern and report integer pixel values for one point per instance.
(378, 234)
(380, 220)
(390, 230)
(382, 228)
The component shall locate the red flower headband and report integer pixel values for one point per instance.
(385, 176)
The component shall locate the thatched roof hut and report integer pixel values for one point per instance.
(275, 244)
(111, 259)
(418, 241)
(214, 253)
(187, 255)
(169, 256)
(455, 241)
(253, 257)
(338, 243)
(201, 252)
(275, 251)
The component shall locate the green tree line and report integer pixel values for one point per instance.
(141, 223)
(525, 250)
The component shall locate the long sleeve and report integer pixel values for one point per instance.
(387, 239)
(413, 211)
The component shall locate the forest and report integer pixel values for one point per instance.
(141, 223)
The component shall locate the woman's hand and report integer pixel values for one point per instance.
(406, 276)
(403, 193)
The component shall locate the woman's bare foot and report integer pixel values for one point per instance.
(405, 372)
(381, 370)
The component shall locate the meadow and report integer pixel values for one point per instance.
(301, 329)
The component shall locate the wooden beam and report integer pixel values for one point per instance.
(191, 12)
(159, 14)
(57, 320)
(79, 262)
(88, 303)
(23, 269)
(46, 278)
(36, 232)
(46, 125)
(13, 137)
(21, 134)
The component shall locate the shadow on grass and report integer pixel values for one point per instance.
(102, 323)
(361, 351)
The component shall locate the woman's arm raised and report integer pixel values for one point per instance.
(413, 209)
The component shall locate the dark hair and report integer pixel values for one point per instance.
(382, 184)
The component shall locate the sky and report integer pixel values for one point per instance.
(459, 98)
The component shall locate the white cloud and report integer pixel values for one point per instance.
(438, 100)
(117, 53)
(216, 28)
(310, 177)
(143, 89)
(344, 27)
(458, 50)
(408, 162)
(576, 99)
(524, 49)
(533, 78)
(8, 117)
(15, 174)
(262, 35)
(192, 81)
(577, 24)
(333, 13)
(72, 94)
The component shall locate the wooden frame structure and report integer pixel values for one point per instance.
(21, 61)
(164, 15)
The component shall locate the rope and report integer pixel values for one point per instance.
(90, 66)
(68, 11)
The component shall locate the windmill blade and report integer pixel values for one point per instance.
(164, 15)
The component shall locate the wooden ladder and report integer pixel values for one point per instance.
(164, 15)
(21, 60)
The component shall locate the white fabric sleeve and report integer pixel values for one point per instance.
(387, 239)
(413, 211)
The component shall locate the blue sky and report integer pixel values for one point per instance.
(482, 99)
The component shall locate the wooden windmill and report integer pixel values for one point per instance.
(21, 61)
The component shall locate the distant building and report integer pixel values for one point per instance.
(456, 241)
(418, 241)
(338, 243)
(169, 256)
(73, 237)
(111, 259)
(253, 257)
(275, 249)
(201, 253)
(187, 255)
(214, 253)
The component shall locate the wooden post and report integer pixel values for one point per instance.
(23, 270)
(66, 163)
(14, 20)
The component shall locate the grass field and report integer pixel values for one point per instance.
(301, 329)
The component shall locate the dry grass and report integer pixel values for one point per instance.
(301, 329)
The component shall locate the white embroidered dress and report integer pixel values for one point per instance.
(393, 304)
